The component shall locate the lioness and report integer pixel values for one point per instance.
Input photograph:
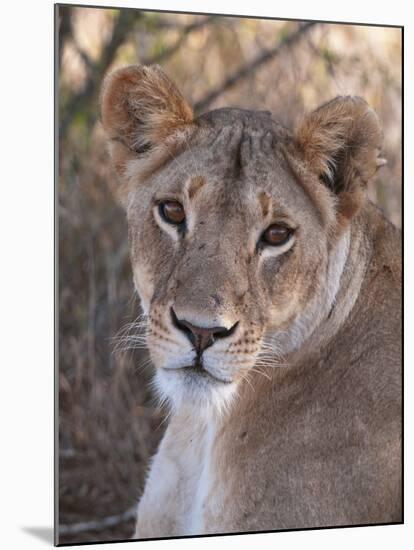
(272, 290)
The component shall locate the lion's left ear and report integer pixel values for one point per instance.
(141, 110)
(341, 141)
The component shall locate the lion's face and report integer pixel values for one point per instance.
(223, 239)
(231, 236)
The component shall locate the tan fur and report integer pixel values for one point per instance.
(294, 418)
(141, 106)
(195, 184)
(345, 126)
(341, 140)
(140, 109)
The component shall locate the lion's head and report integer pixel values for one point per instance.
(239, 227)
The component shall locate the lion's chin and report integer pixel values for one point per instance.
(194, 387)
(196, 371)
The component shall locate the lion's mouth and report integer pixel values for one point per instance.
(196, 369)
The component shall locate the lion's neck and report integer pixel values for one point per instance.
(326, 313)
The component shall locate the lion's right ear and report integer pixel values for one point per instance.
(141, 108)
(341, 142)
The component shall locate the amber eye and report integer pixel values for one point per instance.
(172, 212)
(276, 235)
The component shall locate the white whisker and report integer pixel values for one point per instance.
(261, 372)
(132, 335)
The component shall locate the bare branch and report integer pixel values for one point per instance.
(96, 71)
(249, 68)
(99, 524)
(65, 29)
(184, 32)
(122, 26)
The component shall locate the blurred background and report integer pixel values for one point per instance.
(109, 426)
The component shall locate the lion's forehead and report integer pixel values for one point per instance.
(242, 148)
(236, 163)
(239, 139)
(237, 155)
(220, 118)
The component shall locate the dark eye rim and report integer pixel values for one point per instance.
(290, 232)
(161, 205)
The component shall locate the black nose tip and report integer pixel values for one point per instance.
(201, 337)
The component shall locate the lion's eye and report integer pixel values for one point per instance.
(276, 235)
(172, 212)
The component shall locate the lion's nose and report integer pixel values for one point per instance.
(201, 337)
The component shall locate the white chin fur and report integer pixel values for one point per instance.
(185, 389)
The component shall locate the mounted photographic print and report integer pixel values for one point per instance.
(228, 213)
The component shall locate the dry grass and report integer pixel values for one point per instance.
(107, 428)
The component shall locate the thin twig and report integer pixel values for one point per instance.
(65, 29)
(99, 524)
(122, 26)
(252, 66)
(184, 33)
